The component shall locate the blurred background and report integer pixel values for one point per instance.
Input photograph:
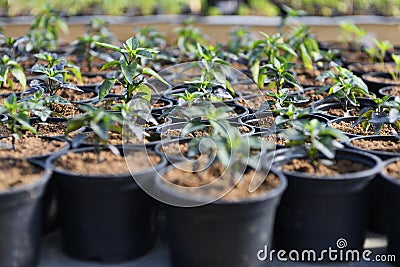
(9, 8)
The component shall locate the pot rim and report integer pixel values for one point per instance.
(273, 193)
(49, 164)
(385, 176)
(377, 152)
(371, 171)
(28, 187)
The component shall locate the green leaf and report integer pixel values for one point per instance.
(132, 43)
(99, 129)
(128, 70)
(144, 54)
(109, 46)
(110, 64)
(329, 153)
(19, 74)
(154, 74)
(105, 88)
(192, 126)
(144, 91)
(74, 125)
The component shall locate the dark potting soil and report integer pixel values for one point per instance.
(393, 169)
(30, 146)
(359, 130)
(222, 181)
(377, 145)
(321, 168)
(17, 172)
(73, 95)
(87, 163)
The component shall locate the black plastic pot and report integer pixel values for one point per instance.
(377, 191)
(373, 85)
(392, 200)
(221, 233)
(316, 212)
(20, 224)
(105, 218)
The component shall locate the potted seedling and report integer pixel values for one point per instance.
(15, 144)
(321, 177)
(372, 120)
(304, 44)
(130, 73)
(95, 187)
(270, 48)
(390, 175)
(85, 47)
(22, 185)
(44, 30)
(200, 204)
(348, 89)
(10, 70)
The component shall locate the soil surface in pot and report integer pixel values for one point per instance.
(321, 168)
(222, 182)
(6, 89)
(308, 77)
(394, 90)
(254, 103)
(342, 113)
(175, 148)
(345, 126)
(393, 169)
(17, 172)
(377, 145)
(67, 110)
(86, 80)
(51, 128)
(243, 129)
(73, 95)
(105, 162)
(314, 95)
(116, 139)
(382, 80)
(30, 146)
(371, 67)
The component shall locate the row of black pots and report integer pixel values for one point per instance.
(330, 195)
